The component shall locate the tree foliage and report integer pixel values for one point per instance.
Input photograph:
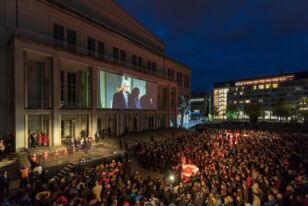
(232, 111)
(253, 111)
(282, 109)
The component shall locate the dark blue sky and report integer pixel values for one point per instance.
(228, 39)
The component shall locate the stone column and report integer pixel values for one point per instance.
(19, 92)
(93, 93)
(55, 137)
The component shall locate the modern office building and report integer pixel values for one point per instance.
(267, 91)
(72, 65)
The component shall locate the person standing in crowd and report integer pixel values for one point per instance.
(39, 139)
(97, 137)
(97, 190)
(24, 176)
(45, 139)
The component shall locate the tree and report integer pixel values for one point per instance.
(232, 111)
(282, 109)
(302, 108)
(253, 111)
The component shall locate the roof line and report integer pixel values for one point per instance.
(154, 35)
(265, 76)
(81, 15)
(178, 62)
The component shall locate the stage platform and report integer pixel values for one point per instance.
(51, 157)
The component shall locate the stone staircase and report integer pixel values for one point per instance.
(111, 142)
(11, 164)
(15, 161)
(64, 171)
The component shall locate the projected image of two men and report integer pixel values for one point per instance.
(124, 92)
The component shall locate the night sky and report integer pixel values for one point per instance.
(228, 39)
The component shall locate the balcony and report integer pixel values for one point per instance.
(74, 105)
(77, 50)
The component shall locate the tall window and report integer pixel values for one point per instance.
(172, 97)
(58, 34)
(75, 89)
(91, 46)
(72, 89)
(140, 64)
(153, 66)
(149, 65)
(62, 86)
(134, 60)
(115, 53)
(170, 74)
(186, 81)
(123, 56)
(100, 49)
(179, 78)
(71, 39)
(38, 84)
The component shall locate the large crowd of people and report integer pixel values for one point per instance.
(235, 169)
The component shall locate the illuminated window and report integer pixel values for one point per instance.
(234, 102)
(236, 88)
(260, 100)
(241, 93)
(261, 86)
(254, 87)
(267, 86)
(275, 85)
(247, 101)
(241, 101)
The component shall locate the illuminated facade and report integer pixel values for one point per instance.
(220, 102)
(200, 108)
(264, 90)
(58, 59)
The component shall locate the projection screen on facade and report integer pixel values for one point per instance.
(125, 92)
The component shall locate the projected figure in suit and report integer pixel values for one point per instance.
(146, 100)
(120, 98)
(133, 99)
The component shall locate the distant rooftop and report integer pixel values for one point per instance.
(296, 75)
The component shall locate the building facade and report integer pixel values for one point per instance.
(63, 61)
(200, 108)
(267, 91)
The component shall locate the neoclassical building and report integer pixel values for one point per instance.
(63, 61)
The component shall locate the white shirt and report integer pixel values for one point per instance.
(126, 98)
